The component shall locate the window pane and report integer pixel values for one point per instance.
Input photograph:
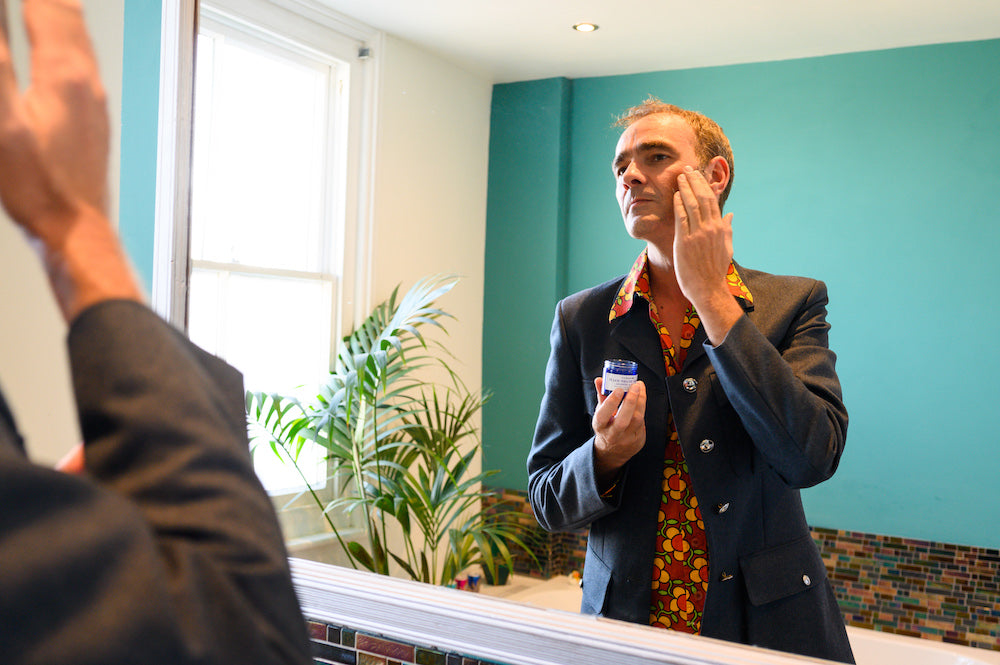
(266, 209)
(258, 184)
(204, 298)
(276, 331)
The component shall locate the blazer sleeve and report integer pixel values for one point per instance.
(785, 388)
(168, 546)
(562, 480)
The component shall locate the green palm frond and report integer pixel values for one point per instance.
(404, 447)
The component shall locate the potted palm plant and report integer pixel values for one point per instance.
(403, 448)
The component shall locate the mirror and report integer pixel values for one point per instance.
(901, 197)
(842, 164)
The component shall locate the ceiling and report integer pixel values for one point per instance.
(516, 40)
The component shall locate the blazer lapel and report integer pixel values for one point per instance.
(697, 348)
(635, 333)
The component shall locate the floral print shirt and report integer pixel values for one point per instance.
(680, 567)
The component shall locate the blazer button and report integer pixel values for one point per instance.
(721, 508)
(690, 384)
(806, 580)
(707, 446)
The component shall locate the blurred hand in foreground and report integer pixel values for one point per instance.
(54, 159)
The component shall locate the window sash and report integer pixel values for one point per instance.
(318, 28)
(343, 268)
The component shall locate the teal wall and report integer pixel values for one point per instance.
(528, 187)
(140, 113)
(876, 172)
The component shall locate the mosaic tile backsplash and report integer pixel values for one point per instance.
(336, 644)
(938, 591)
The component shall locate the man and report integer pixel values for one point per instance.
(167, 549)
(689, 480)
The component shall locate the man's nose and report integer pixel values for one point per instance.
(632, 175)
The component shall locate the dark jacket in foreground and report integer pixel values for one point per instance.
(167, 551)
(759, 417)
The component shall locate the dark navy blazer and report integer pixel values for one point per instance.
(759, 416)
(167, 550)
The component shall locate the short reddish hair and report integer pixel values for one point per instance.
(712, 141)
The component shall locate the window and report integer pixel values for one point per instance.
(264, 218)
(270, 257)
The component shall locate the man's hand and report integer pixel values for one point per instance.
(619, 428)
(72, 461)
(703, 250)
(54, 158)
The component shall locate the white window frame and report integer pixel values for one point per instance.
(312, 23)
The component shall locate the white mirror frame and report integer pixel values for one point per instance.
(504, 631)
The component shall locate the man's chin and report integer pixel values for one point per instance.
(647, 227)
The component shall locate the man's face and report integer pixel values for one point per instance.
(651, 153)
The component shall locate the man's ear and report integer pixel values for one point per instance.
(717, 174)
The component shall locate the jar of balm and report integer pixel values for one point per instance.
(619, 374)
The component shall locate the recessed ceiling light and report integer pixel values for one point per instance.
(585, 27)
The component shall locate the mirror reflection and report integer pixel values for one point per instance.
(835, 181)
(870, 171)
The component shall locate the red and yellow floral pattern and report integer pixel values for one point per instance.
(629, 289)
(680, 570)
(680, 573)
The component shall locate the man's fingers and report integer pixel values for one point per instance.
(626, 407)
(9, 92)
(607, 407)
(690, 187)
(620, 410)
(4, 31)
(59, 42)
(619, 427)
(701, 205)
(633, 404)
(599, 385)
(682, 223)
(688, 203)
(640, 402)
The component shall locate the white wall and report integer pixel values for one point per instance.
(429, 208)
(33, 359)
(431, 163)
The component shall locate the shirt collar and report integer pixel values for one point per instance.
(637, 284)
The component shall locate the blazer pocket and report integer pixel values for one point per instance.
(782, 571)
